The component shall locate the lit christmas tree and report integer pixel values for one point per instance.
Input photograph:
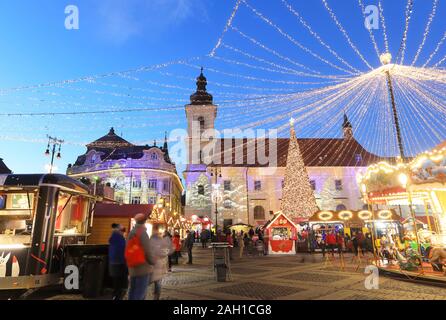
(298, 199)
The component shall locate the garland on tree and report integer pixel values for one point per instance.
(298, 199)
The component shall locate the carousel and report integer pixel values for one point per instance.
(417, 191)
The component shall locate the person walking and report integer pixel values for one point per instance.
(241, 243)
(116, 258)
(331, 241)
(139, 259)
(170, 256)
(189, 244)
(160, 248)
(204, 236)
(176, 243)
(230, 242)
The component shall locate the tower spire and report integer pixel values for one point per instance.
(165, 147)
(201, 96)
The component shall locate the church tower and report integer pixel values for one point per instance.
(201, 114)
(347, 128)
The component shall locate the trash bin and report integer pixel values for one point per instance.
(93, 269)
(221, 272)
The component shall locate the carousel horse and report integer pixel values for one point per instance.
(437, 257)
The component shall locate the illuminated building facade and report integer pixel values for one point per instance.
(138, 174)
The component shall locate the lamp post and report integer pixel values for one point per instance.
(386, 58)
(53, 143)
(216, 196)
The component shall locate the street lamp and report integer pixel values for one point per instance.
(386, 58)
(53, 143)
(216, 196)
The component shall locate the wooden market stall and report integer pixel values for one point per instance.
(280, 235)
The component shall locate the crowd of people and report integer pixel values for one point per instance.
(140, 260)
(332, 240)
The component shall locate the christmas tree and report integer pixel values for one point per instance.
(298, 199)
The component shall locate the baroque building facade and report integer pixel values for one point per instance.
(248, 190)
(138, 174)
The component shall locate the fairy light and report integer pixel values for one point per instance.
(346, 36)
(383, 25)
(317, 37)
(437, 48)
(426, 31)
(408, 15)
(291, 39)
(372, 37)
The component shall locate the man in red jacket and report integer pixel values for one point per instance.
(331, 241)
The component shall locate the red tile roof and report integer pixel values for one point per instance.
(315, 152)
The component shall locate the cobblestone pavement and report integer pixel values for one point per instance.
(297, 277)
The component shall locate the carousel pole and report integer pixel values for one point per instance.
(385, 60)
(426, 211)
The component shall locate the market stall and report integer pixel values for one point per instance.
(280, 234)
(49, 211)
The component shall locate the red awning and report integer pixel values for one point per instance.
(123, 210)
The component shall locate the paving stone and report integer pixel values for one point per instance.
(258, 290)
(314, 277)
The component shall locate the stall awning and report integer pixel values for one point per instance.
(124, 210)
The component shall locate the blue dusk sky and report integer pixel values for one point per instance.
(119, 35)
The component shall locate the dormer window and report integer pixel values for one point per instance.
(154, 156)
(93, 158)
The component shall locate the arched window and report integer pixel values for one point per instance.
(201, 122)
(154, 156)
(201, 189)
(259, 213)
(340, 207)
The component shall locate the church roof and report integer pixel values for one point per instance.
(316, 152)
(113, 147)
(201, 96)
(3, 168)
(110, 140)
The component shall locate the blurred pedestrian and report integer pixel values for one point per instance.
(160, 248)
(116, 257)
(176, 243)
(189, 244)
(139, 259)
(241, 243)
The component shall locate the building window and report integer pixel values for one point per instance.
(259, 213)
(93, 158)
(227, 185)
(152, 184)
(257, 185)
(313, 184)
(154, 156)
(136, 200)
(136, 184)
(166, 186)
(201, 190)
(358, 158)
(340, 207)
(338, 185)
(152, 200)
(201, 122)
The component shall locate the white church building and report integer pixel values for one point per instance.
(248, 190)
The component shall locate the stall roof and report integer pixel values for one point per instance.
(35, 180)
(121, 210)
(276, 216)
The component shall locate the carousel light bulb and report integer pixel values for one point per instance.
(402, 178)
